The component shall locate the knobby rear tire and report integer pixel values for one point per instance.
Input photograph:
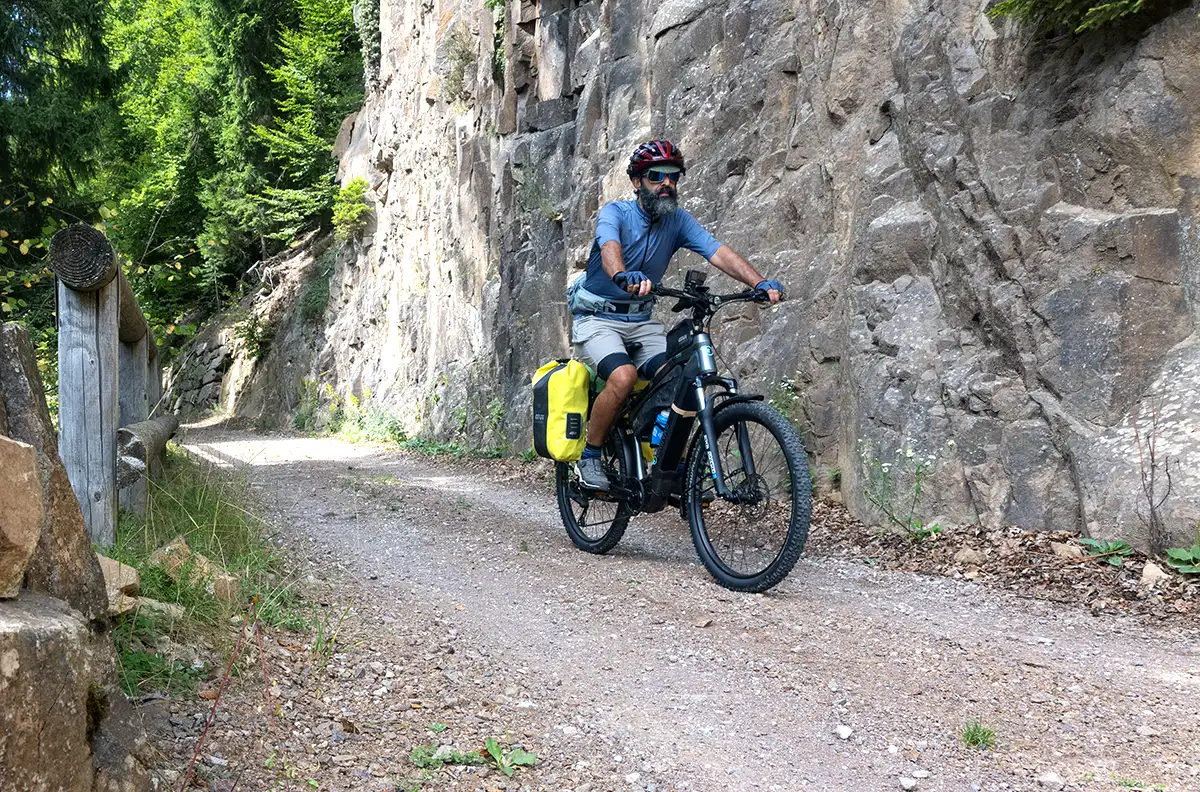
(603, 535)
(699, 479)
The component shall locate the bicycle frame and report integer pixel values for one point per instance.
(691, 404)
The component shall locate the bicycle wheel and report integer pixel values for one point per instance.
(751, 542)
(594, 521)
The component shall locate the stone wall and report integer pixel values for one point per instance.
(988, 239)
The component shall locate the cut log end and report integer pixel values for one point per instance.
(141, 443)
(82, 258)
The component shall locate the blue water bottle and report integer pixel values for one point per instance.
(660, 426)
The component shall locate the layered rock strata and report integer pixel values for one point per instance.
(989, 239)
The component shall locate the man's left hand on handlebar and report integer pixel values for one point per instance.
(773, 289)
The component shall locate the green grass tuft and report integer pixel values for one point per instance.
(975, 735)
(207, 508)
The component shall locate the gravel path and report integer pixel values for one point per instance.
(637, 672)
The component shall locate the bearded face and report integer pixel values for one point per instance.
(659, 200)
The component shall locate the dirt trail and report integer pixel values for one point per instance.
(637, 663)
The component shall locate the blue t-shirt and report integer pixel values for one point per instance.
(645, 246)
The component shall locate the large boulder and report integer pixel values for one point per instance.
(21, 505)
(63, 564)
(64, 725)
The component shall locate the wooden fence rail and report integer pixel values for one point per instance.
(109, 382)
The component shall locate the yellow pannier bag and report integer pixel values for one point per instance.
(560, 404)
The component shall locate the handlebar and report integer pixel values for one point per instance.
(691, 298)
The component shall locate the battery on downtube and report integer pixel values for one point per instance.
(665, 473)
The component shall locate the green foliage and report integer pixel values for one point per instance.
(197, 133)
(366, 20)
(350, 209)
(899, 508)
(325, 625)
(1074, 15)
(1185, 560)
(314, 299)
(507, 761)
(499, 53)
(1112, 552)
(141, 667)
(208, 510)
(432, 757)
(495, 414)
(975, 735)
(460, 53)
(254, 334)
(305, 416)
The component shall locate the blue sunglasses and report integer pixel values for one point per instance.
(658, 176)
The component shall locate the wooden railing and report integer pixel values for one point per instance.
(111, 434)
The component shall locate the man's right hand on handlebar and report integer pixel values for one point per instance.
(636, 283)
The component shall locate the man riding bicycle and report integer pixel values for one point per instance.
(613, 331)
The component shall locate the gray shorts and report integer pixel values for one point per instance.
(604, 344)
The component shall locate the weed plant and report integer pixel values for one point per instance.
(315, 297)
(357, 420)
(975, 735)
(882, 486)
(207, 508)
(1113, 552)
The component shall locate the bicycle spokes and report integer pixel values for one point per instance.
(748, 530)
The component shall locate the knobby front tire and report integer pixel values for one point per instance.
(750, 545)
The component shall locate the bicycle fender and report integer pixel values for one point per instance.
(733, 398)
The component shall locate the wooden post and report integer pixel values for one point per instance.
(134, 409)
(88, 410)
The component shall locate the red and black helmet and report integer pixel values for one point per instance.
(654, 152)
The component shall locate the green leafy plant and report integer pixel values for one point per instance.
(899, 509)
(431, 757)
(460, 53)
(315, 297)
(255, 334)
(1074, 15)
(1185, 560)
(528, 456)
(350, 209)
(437, 728)
(141, 666)
(305, 416)
(1112, 552)
(325, 626)
(507, 761)
(975, 735)
(208, 509)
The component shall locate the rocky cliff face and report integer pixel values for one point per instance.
(989, 240)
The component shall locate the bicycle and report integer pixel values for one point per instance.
(746, 492)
